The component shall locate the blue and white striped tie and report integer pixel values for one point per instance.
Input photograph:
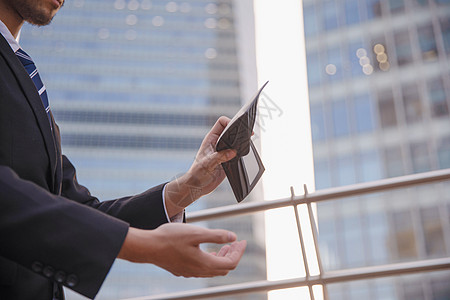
(29, 65)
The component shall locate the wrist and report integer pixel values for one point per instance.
(179, 194)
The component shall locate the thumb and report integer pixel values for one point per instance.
(217, 236)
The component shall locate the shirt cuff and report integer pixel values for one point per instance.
(178, 218)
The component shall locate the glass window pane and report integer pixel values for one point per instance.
(351, 12)
(317, 123)
(438, 99)
(330, 15)
(322, 174)
(444, 153)
(445, 29)
(386, 109)
(314, 69)
(334, 64)
(355, 51)
(432, 231)
(310, 20)
(403, 48)
(427, 42)
(420, 157)
(393, 162)
(364, 114)
(412, 104)
(403, 235)
(340, 119)
(373, 8)
(396, 6)
(345, 171)
(370, 167)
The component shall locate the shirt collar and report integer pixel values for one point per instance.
(13, 43)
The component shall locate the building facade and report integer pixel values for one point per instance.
(379, 89)
(134, 86)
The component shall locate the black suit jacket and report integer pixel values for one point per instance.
(52, 231)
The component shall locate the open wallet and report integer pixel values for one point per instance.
(246, 168)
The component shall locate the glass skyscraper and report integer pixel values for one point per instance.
(379, 88)
(134, 86)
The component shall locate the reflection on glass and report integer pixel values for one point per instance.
(444, 153)
(373, 8)
(310, 20)
(364, 115)
(436, 93)
(420, 157)
(396, 6)
(369, 167)
(403, 48)
(351, 12)
(340, 119)
(322, 174)
(329, 15)
(412, 104)
(445, 29)
(393, 162)
(402, 238)
(427, 42)
(345, 170)
(386, 109)
(335, 62)
(313, 68)
(317, 123)
(432, 231)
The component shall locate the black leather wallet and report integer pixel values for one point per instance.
(246, 168)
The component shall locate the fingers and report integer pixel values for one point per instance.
(227, 259)
(217, 236)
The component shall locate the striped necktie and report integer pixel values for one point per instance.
(29, 65)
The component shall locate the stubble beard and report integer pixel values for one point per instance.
(34, 14)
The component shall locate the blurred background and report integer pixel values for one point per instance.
(136, 84)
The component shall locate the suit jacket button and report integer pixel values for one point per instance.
(48, 271)
(60, 276)
(37, 267)
(72, 280)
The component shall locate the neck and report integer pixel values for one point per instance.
(10, 18)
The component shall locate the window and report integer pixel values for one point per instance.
(444, 153)
(364, 116)
(438, 99)
(403, 48)
(396, 6)
(369, 166)
(351, 12)
(420, 157)
(432, 231)
(354, 53)
(373, 8)
(334, 64)
(386, 109)
(330, 15)
(317, 123)
(340, 119)
(393, 162)
(403, 237)
(322, 174)
(310, 19)
(412, 104)
(313, 68)
(427, 42)
(354, 249)
(445, 29)
(345, 171)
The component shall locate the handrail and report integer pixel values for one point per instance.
(321, 195)
(327, 278)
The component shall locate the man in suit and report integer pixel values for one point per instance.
(52, 231)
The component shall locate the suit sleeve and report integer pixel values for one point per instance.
(145, 211)
(53, 236)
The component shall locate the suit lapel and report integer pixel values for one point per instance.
(34, 100)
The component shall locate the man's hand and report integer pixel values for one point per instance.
(205, 174)
(176, 248)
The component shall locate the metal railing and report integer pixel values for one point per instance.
(323, 278)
